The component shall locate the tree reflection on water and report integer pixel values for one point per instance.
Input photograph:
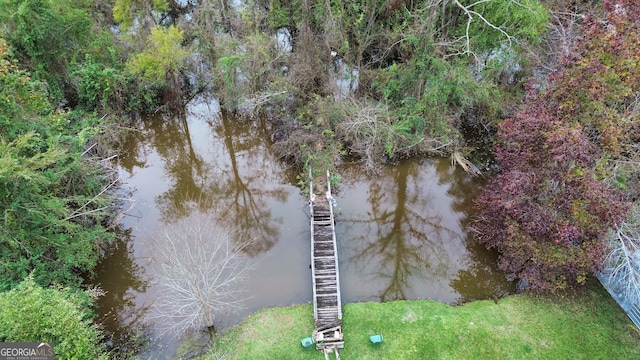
(205, 174)
(409, 235)
(195, 161)
(399, 244)
(479, 278)
(121, 278)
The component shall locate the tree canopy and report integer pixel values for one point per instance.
(546, 212)
(550, 209)
(164, 57)
(45, 36)
(58, 315)
(52, 198)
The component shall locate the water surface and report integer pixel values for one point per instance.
(402, 235)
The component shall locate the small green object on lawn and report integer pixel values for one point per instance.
(375, 340)
(307, 342)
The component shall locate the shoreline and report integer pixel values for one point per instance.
(584, 324)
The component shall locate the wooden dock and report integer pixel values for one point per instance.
(327, 309)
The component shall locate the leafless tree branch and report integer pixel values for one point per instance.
(202, 269)
(468, 10)
(622, 265)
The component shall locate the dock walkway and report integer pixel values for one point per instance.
(327, 307)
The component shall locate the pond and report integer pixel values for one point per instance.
(402, 234)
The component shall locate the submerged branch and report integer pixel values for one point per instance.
(458, 159)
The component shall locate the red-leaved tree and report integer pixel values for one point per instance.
(549, 210)
(546, 212)
(598, 83)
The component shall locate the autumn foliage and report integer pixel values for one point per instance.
(548, 211)
(598, 83)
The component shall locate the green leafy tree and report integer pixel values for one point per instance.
(19, 102)
(428, 94)
(487, 26)
(45, 36)
(52, 201)
(60, 43)
(97, 84)
(62, 316)
(163, 60)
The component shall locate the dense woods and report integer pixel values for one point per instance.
(542, 94)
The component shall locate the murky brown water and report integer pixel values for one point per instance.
(402, 235)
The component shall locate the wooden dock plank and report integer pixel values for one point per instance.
(325, 274)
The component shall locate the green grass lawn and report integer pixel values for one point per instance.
(584, 325)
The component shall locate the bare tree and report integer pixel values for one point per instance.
(366, 128)
(622, 266)
(371, 131)
(202, 269)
